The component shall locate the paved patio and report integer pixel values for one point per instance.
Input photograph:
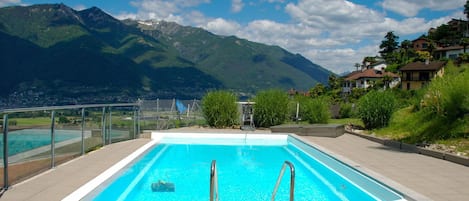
(421, 177)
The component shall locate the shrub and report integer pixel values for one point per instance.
(346, 110)
(316, 110)
(375, 108)
(271, 108)
(447, 96)
(220, 109)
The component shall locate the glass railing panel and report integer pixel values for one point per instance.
(29, 144)
(93, 129)
(164, 114)
(68, 135)
(122, 124)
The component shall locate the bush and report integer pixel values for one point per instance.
(316, 110)
(346, 110)
(220, 109)
(375, 108)
(271, 108)
(447, 96)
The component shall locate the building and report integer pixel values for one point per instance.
(421, 44)
(418, 74)
(459, 26)
(366, 78)
(451, 52)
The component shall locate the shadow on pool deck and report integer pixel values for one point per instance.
(421, 177)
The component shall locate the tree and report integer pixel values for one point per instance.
(406, 45)
(357, 65)
(464, 42)
(334, 82)
(466, 9)
(317, 90)
(388, 46)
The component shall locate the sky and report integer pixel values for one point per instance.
(335, 34)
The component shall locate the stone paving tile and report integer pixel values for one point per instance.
(433, 178)
(57, 183)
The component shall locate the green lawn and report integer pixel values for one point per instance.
(353, 121)
(35, 121)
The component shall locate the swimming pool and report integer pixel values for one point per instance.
(247, 170)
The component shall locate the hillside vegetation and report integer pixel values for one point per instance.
(438, 113)
(59, 56)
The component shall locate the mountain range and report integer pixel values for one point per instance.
(51, 51)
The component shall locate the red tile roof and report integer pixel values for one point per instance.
(422, 66)
(369, 73)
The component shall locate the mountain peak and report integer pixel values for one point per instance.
(97, 18)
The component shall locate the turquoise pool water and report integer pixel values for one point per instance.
(245, 172)
(29, 139)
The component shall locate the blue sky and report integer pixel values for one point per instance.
(335, 34)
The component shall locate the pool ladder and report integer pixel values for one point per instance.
(292, 180)
(214, 181)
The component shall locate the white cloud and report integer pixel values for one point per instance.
(236, 6)
(163, 9)
(222, 27)
(411, 8)
(9, 2)
(335, 34)
(126, 15)
(79, 7)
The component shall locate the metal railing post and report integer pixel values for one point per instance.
(110, 125)
(138, 121)
(5, 151)
(82, 131)
(157, 113)
(135, 123)
(52, 139)
(103, 126)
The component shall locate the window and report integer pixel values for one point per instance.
(408, 76)
(424, 45)
(424, 76)
(408, 85)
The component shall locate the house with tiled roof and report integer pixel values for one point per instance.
(421, 44)
(450, 52)
(366, 78)
(418, 74)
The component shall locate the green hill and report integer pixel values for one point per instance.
(52, 51)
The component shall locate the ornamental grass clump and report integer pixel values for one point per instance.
(316, 110)
(220, 109)
(270, 108)
(375, 108)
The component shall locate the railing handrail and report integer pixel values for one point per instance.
(213, 181)
(32, 109)
(292, 180)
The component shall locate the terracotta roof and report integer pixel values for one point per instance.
(369, 73)
(421, 66)
(448, 48)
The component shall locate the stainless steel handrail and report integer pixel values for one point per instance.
(213, 181)
(292, 180)
(32, 109)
